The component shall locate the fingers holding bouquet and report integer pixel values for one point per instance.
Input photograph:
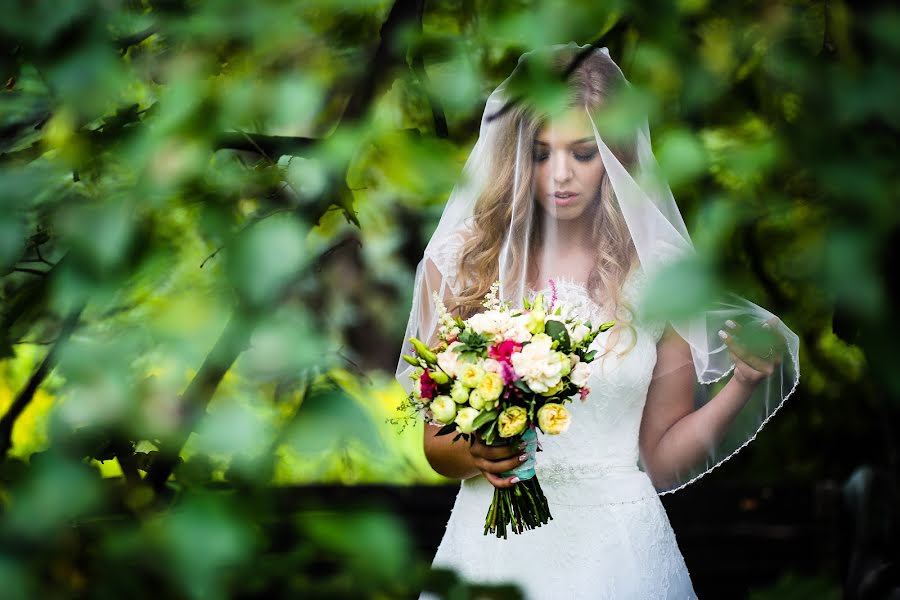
(495, 460)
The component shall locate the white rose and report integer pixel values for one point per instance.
(541, 340)
(444, 409)
(540, 366)
(465, 418)
(517, 330)
(577, 334)
(448, 360)
(492, 366)
(490, 323)
(580, 374)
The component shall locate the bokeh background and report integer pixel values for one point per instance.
(210, 217)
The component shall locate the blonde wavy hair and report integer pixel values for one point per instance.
(590, 84)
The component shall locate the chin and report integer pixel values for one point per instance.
(565, 213)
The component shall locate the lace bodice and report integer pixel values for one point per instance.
(603, 436)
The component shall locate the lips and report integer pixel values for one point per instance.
(564, 198)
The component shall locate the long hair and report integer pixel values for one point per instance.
(591, 83)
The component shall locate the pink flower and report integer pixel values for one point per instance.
(501, 351)
(509, 374)
(427, 386)
(553, 296)
(584, 393)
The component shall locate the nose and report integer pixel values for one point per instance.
(560, 168)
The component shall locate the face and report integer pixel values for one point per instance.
(567, 165)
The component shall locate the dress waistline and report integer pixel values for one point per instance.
(563, 471)
(576, 485)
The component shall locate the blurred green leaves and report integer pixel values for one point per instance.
(56, 491)
(266, 258)
(327, 419)
(238, 194)
(202, 541)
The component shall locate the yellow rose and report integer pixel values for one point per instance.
(512, 421)
(465, 418)
(553, 418)
(471, 375)
(491, 386)
(459, 392)
(444, 409)
(476, 400)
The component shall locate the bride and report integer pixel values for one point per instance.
(550, 205)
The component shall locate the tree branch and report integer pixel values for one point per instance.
(127, 41)
(269, 145)
(233, 341)
(24, 397)
(28, 298)
(418, 66)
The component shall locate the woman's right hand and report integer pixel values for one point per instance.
(494, 460)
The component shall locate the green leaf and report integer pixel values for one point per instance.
(490, 433)
(484, 417)
(518, 383)
(447, 429)
(558, 332)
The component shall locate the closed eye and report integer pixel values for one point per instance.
(579, 156)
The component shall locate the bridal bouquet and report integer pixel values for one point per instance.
(500, 374)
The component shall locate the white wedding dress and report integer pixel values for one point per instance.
(610, 536)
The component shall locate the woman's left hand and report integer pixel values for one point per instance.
(750, 368)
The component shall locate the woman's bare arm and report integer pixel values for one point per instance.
(673, 436)
(450, 459)
(459, 460)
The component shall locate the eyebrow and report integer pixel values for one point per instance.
(575, 143)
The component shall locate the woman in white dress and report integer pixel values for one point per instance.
(548, 204)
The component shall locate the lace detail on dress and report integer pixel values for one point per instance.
(446, 258)
(610, 536)
(573, 294)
